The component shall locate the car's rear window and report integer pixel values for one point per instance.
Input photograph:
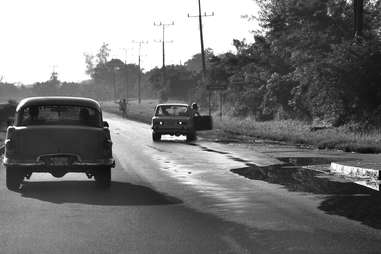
(172, 110)
(59, 115)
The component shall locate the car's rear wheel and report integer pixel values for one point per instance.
(103, 178)
(14, 178)
(191, 136)
(156, 136)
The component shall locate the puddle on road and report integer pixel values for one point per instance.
(299, 179)
(308, 161)
(311, 162)
(340, 197)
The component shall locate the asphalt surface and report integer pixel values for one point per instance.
(204, 197)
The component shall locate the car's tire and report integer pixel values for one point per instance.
(103, 178)
(14, 178)
(156, 136)
(191, 136)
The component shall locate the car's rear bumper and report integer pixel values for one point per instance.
(172, 131)
(73, 167)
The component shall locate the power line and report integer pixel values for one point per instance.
(126, 71)
(54, 68)
(163, 25)
(139, 76)
(200, 16)
(163, 52)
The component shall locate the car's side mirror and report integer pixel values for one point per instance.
(10, 121)
(105, 124)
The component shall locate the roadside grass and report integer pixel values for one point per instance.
(139, 112)
(287, 131)
(300, 133)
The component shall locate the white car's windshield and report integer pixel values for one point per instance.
(172, 110)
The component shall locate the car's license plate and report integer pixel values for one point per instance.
(59, 161)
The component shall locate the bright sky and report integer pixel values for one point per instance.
(37, 35)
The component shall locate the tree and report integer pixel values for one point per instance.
(195, 63)
(313, 41)
(103, 53)
(89, 60)
(99, 62)
(180, 82)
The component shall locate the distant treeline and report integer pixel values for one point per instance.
(7, 110)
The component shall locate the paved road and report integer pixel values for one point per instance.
(173, 197)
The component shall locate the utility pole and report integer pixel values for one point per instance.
(126, 72)
(139, 75)
(358, 8)
(114, 72)
(54, 73)
(163, 25)
(114, 82)
(114, 68)
(200, 16)
(54, 68)
(163, 68)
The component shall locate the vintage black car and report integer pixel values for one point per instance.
(58, 135)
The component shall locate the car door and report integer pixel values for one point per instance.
(203, 123)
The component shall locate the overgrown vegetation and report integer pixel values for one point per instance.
(306, 65)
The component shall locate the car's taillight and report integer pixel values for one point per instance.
(10, 132)
(10, 145)
(107, 151)
(106, 132)
(107, 144)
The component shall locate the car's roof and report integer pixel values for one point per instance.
(173, 104)
(58, 100)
